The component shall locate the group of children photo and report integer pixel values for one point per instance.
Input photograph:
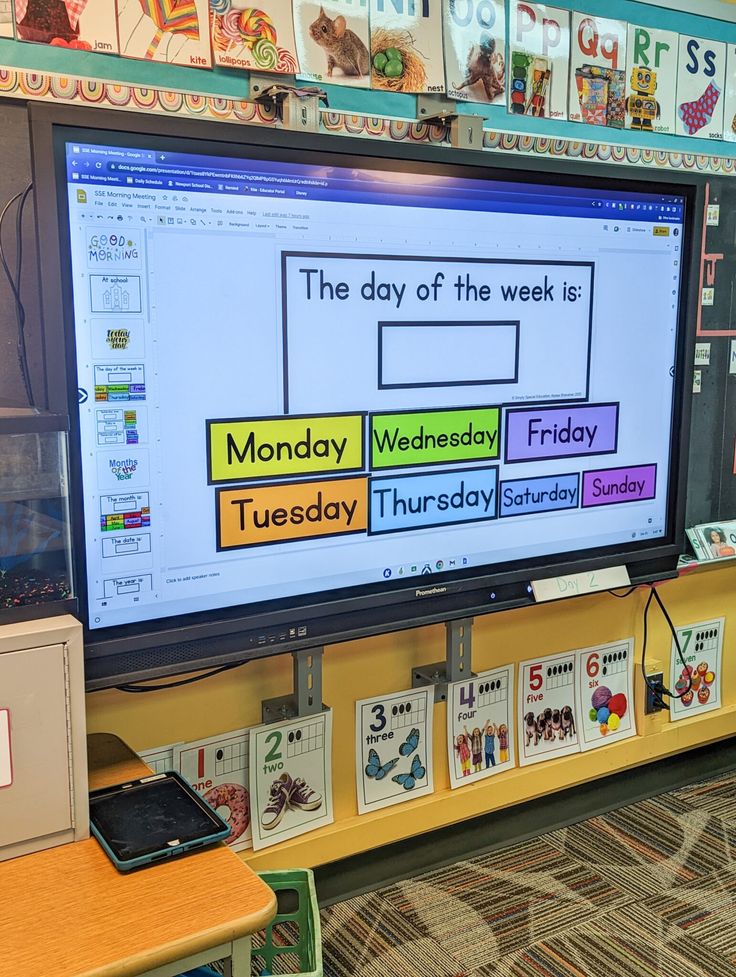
(473, 747)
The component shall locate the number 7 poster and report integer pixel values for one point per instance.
(480, 726)
(548, 716)
(606, 693)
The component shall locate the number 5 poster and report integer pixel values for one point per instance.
(393, 747)
(480, 726)
(290, 778)
(548, 717)
(606, 693)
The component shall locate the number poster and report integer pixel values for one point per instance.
(480, 726)
(393, 746)
(697, 684)
(606, 693)
(547, 718)
(290, 778)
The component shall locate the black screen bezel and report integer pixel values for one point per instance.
(371, 608)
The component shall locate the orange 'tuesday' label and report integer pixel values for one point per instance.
(255, 515)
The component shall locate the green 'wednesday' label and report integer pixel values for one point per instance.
(434, 437)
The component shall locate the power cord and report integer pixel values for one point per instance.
(15, 283)
(161, 687)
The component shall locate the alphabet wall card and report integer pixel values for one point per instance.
(406, 44)
(87, 25)
(173, 31)
(606, 693)
(729, 104)
(393, 748)
(598, 71)
(547, 718)
(217, 768)
(651, 79)
(701, 78)
(290, 778)
(480, 726)
(475, 49)
(697, 684)
(6, 18)
(539, 60)
(257, 38)
(333, 41)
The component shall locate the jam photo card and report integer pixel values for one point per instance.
(6, 18)
(475, 50)
(217, 768)
(480, 726)
(539, 60)
(651, 79)
(290, 778)
(606, 693)
(547, 718)
(406, 45)
(598, 71)
(701, 79)
(696, 684)
(393, 748)
(86, 25)
(172, 31)
(333, 41)
(255, 38)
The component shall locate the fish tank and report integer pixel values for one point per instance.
(35, 541)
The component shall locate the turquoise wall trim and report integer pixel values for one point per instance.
(234, 84)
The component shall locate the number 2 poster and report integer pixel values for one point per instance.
(606, 693)
(480, 726)
(393, 747)
(548, 716)
(290, 778)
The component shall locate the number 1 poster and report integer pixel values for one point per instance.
(548, 716)
(606, 693)
(393, 747)
(290, 778)
(480, 726)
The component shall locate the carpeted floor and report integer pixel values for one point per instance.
(649, 889)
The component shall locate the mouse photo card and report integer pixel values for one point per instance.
(333, 42)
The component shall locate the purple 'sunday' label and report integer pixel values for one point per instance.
(536, 434)
(612, 485)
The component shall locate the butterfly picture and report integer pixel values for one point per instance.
(412, 742)
(375, 769)
(408, 780)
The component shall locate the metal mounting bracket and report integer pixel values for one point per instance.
(306, 699)
(457, 664)
(464, 131)
(297, 108)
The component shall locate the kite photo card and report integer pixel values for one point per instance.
(171, 31)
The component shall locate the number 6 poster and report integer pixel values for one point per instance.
(548, 717)
(393, 747)
(480, 726)
(606, 693)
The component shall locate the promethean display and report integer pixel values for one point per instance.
(297, 378)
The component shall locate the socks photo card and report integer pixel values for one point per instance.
(701, 78)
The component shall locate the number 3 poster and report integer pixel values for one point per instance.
(606, 693)
(393, 747)
(480, 726)
(548, 717)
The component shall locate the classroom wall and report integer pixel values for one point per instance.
(375, 666)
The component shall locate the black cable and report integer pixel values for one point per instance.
(130, 687)
(15, 284)
(628, 593)
(660, 689)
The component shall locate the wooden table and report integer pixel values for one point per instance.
(68, 912)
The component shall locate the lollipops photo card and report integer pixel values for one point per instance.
(256, 38)
(173, 31)
(87, 25)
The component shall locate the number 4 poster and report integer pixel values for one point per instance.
(393, 746)
(702, 648)
(606, 693)
(547, 717)
(290, 778)
(480, 726)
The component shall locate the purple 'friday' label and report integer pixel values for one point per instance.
(612, 485)
(539, 433)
